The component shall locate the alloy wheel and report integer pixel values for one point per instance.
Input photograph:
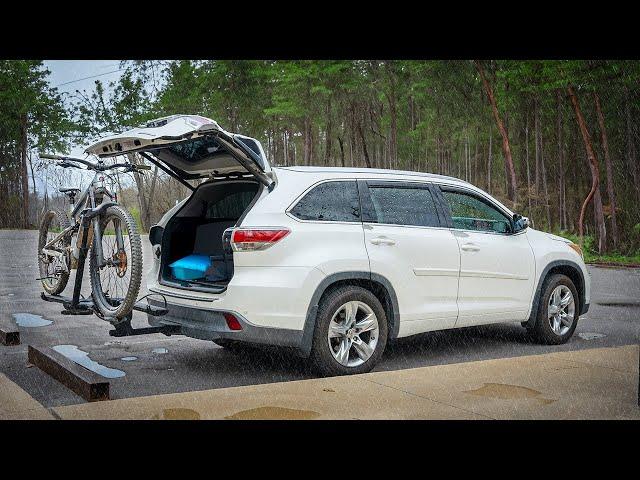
(561, 310)
(353, 333)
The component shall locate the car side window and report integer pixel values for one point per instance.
(469, 212)
(402, 205)
(330, 202)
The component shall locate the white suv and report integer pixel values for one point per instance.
(337, 262)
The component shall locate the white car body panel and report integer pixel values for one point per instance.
(438, 284)
(497, 277)
(423, 264)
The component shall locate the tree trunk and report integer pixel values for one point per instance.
(526, 158)
(142, 201)
(506, 149)
(560, 141)
(364, 145)
(489, 159)
(307, 139)
(595, 176)
(536, 128)
(327, 143)
(609, 169)
(341, 143)
(631, 144)
(544, 185)
(25, 172)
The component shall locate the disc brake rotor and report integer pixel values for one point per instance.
(121, 258)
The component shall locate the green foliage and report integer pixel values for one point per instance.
(32, 117)
(135, 213)
(591, 255)
(417, 115)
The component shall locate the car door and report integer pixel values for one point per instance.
(497, 266)
(409, 244)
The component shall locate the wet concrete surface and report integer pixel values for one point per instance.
(191, 365)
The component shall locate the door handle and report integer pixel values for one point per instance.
(382, 241)
(470, 247)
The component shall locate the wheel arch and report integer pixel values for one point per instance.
(376, 284)
(564, 267)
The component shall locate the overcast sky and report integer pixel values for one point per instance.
(71, 75)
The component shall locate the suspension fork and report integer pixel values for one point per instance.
(88, 216)
(97, 242)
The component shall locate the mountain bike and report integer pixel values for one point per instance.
(95, 226)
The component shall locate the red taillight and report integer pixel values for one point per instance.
(232, 321)
(257, 239)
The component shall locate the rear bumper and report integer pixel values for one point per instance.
(206, 324)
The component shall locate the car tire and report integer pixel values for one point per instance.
(554, 327)
(363, 335)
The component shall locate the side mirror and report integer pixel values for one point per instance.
(520, 223)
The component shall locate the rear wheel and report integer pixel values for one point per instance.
(115, 286)
(54, 270)
(351, 332)
(558, 311)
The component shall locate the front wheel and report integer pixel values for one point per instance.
(558, 311)
(116, 284)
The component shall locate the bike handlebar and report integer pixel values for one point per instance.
(98, 167)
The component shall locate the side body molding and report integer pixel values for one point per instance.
(312, 312)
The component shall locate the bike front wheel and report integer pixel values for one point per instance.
(115, 285)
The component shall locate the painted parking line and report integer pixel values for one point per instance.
(16, 404)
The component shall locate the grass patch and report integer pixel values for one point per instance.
(592, 256)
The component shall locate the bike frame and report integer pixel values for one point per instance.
(89, 199)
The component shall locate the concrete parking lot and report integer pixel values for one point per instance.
(156, 364)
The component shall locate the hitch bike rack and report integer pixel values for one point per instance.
(80, 306)
(123, 327)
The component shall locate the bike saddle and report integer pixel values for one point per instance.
(69, 190)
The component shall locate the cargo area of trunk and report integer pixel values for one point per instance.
(196, 235)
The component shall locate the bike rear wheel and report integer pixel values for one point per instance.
(115, 286)
(54, 270)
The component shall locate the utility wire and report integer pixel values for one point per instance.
(87, 78)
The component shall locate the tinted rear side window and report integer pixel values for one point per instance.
(330, 202)
(404, 206)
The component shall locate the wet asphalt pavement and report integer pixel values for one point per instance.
(156, 364)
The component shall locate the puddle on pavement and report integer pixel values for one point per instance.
(129, 359)
(81, 357)
(590, 335)
(273, 413)
(30, 320)
(505, 391)
(177, 414)
(159, 351)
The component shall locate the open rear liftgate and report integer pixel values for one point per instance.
(78, 306)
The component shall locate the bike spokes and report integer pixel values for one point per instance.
(115, 276)
(53, 252)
